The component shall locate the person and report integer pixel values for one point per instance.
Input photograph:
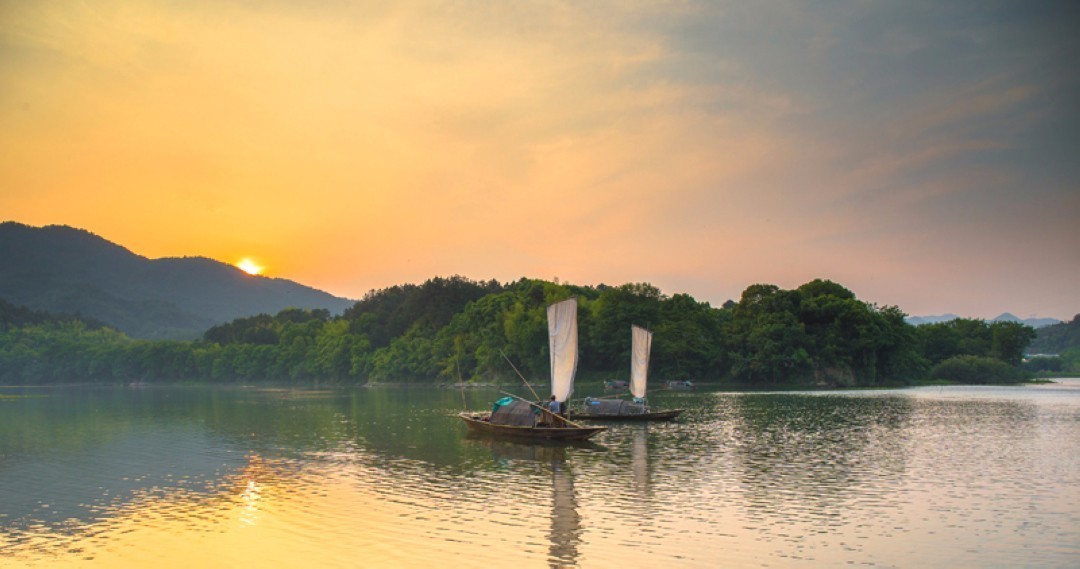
(557, 418)
(554, 406)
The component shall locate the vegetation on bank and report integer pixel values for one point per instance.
(976, 370)
(817, 335)
(1057, 350)
(1058, 338)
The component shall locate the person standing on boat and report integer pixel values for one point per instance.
(556, 411)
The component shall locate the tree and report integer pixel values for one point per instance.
(612, 314)
(767, 343)
(1008, 340)
(976, 370)
(961, 336)
(687, 341)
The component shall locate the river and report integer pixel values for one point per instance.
(180, 476)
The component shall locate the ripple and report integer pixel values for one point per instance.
(880, 479)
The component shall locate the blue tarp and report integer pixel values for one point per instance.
(514, 412)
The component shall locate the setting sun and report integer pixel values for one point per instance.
(249, 266)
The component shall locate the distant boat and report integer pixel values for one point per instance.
(616, 385)
(516, 417)
(621, 409)
(681, 385)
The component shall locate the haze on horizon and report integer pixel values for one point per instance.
(922, 154)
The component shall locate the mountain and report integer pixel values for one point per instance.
(61, 269)
(1033, 322)
(932, 319)
(1004, 317)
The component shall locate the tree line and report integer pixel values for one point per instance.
(1057, 348)
(455, 329)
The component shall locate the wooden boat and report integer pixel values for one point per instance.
(480, 424)
(518, 418)
(611, 409)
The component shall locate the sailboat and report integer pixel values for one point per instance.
(638, 408)
(517, 417)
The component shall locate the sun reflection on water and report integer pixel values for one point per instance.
(251, 492)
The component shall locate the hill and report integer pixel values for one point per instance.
(1004, 317)
(1033, 322)
(12, 316)
(61, 269)
(1057, 338)
(931, 319)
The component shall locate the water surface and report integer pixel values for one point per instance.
(225, 477)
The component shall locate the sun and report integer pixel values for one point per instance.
(249, 266)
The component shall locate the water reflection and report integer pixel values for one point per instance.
(252, 481)
(388, 478)
(818, 449)
(565, 532)
(564, 535)
(639, 461)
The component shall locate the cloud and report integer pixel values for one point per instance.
(699, 145)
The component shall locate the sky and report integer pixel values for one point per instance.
(922, 154)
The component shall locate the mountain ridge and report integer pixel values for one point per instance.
(1034, 322)
(57, 268)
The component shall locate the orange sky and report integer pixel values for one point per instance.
(923, 156)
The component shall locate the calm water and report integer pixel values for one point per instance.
(216, 477)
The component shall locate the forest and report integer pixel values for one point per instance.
(450, 330)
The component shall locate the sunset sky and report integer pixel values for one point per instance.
(923, 154)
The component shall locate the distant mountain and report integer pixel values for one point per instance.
(1033, 322)
(1004, 317)
(61, 269)
(932, 319)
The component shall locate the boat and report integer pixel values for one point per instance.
(515, 417)
(606, 414)
(616, 385)
(621, 409)
(490, 425)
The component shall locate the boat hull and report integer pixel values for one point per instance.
(478, 426)
(651, 416)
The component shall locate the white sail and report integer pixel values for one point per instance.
(563, 342)
(639, 360)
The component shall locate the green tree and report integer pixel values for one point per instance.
(1070, 360)
(616, 309)
(976, 370)
(1008, 340)
(962, 336)
(687, 340)
(767, 343)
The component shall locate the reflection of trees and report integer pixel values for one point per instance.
(117, 441)
(72, 453)
(391, 423)
(811, 454)
(121, 441)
